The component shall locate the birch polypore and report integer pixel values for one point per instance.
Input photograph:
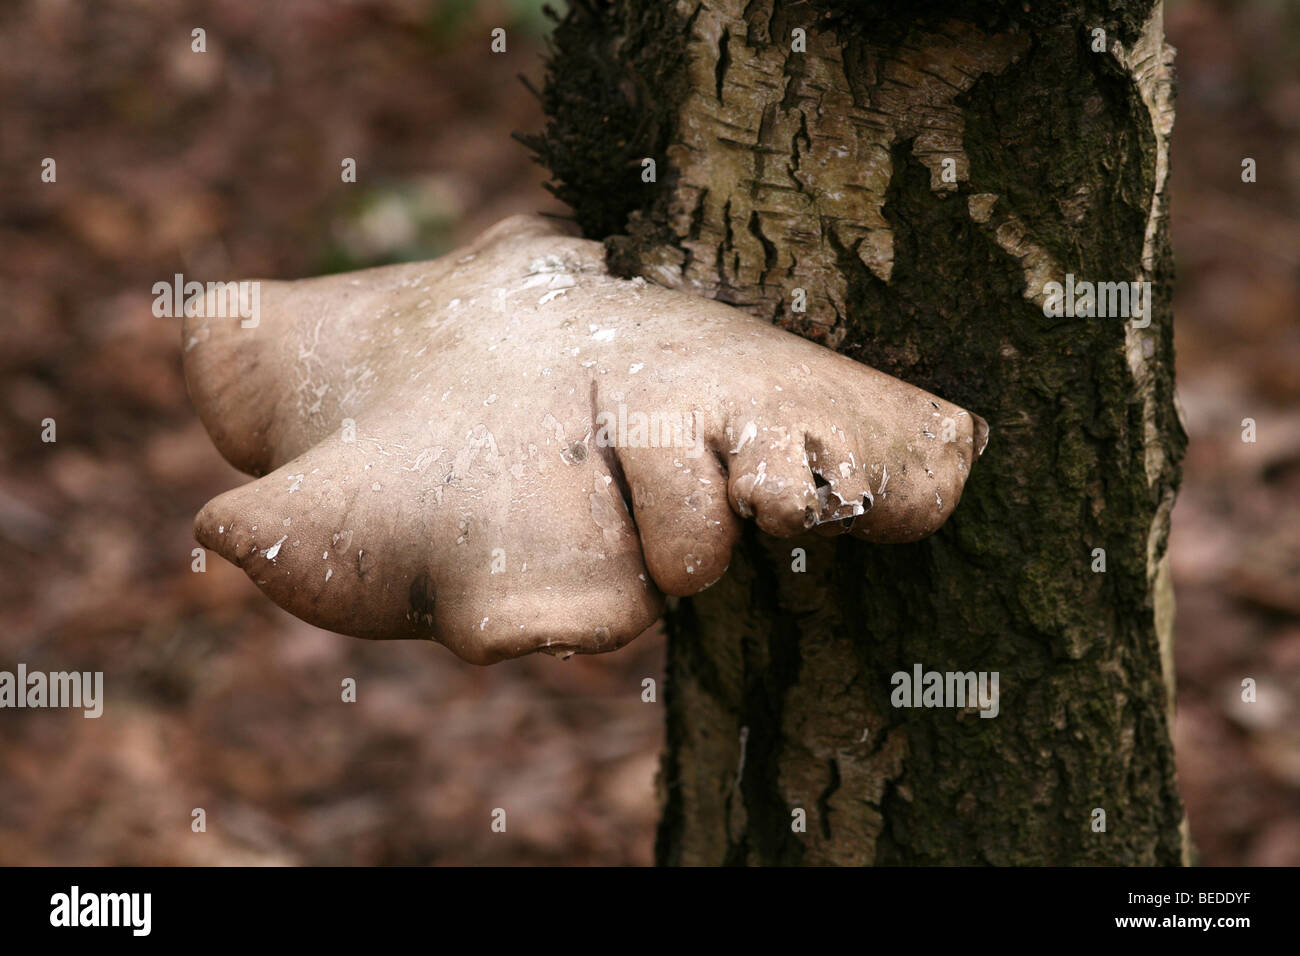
(508, 450)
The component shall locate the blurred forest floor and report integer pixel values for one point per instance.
(226, 165)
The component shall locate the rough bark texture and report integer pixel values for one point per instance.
(823, 171)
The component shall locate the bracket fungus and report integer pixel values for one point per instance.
(508, 450)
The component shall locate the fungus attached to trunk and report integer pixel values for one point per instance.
(508, 450)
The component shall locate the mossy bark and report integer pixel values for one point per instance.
(920, 177)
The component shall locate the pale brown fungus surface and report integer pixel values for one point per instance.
(508, 450)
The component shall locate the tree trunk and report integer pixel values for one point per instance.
(920, 178)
